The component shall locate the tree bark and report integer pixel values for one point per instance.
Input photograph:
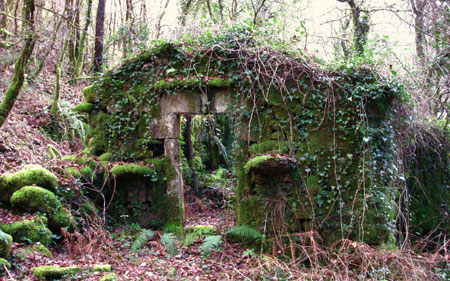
(185, 6)
(417, 7)
(99, 32)
(80, 54)
(54, 109)
(361, 26)
(17, 80)
(48, 50)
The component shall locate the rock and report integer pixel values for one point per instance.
(38, 199)
(84, 107)
(270, 165)
(130, 170)
(5, 244)
(29, 230)
(28, 251)
(29, 175)
(48, 272)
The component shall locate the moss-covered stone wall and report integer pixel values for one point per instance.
(312, 148)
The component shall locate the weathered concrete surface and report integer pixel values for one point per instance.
(166, 127)
(220, 101)
(181, 103)
(175, 186)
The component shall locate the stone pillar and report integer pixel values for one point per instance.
(175, 185)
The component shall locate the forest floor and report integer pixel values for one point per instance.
(150, 263)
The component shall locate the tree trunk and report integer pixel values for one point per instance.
(48, 50)
(99, 31)
(80, 54)
(17, 80)
(55, 103)
(3, 17)
(158, 24)
(185, 6)
(417, 7)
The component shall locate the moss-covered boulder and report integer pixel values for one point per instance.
(268, 164)
(29, 175)
(29, 231)
(38, 199)
(84, 107)
(5, 244)
(131, 169)
(28, 251)
(48, 272)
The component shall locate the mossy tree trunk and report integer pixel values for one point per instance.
(99, 31)
(361, 26)
(18, 78)
(47, 52)
(55, 103)
(79, 59)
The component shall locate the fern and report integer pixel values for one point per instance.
(245, 231)
(144, 236)
(168, 240)
(190, 239)
(210, 243)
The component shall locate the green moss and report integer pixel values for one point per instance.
(25, 253)
(107, 156)
(97, 145)
(257, 161)
(84, 107)
(101, 268)
(160, 85)
(5, 244)
(53, 153)
(162, 50)
(29, 175)
(131, 169)
(48, 272)
(269, 146)
(29, 230)
(174, 211)
(76, 159)
(219, 82)
(4, 263)
(88, 174)
(201, 229)
(74, 172)
(108, 277)
(38, 199)
(90, 94)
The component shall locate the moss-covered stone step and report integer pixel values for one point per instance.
(29, 230)
(29, 175)
(5, 244)
(38, 199)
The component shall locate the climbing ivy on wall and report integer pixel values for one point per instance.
(332, 123)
